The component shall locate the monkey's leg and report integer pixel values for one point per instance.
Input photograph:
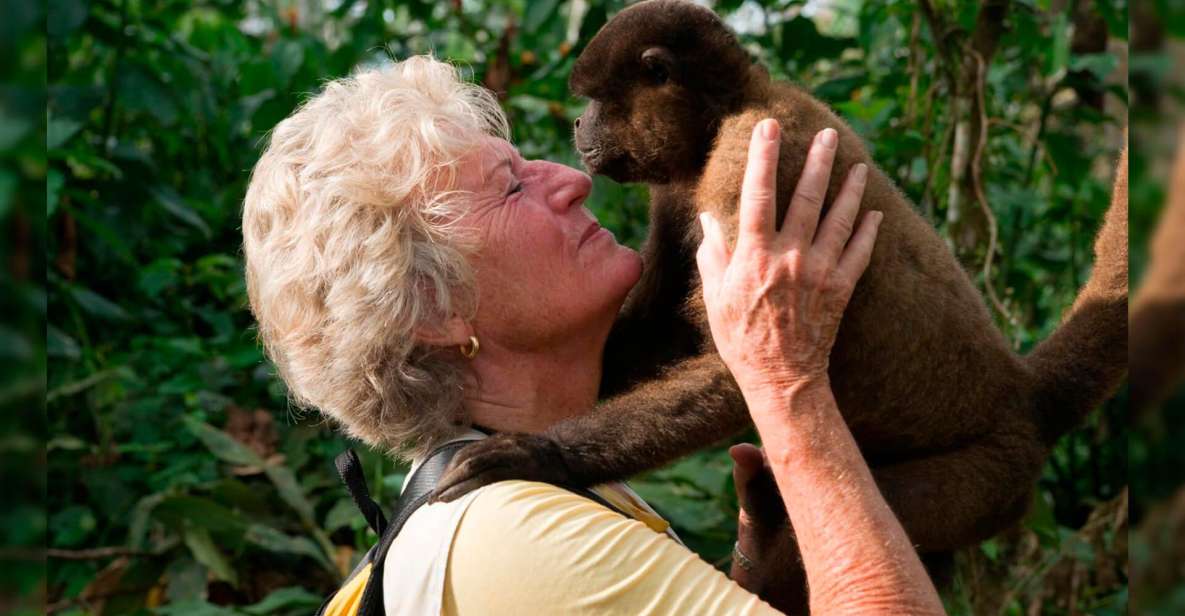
(959, 498)
(694, 404)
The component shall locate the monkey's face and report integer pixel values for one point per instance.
(654, 131)
(659, 77)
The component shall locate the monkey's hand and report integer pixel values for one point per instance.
(765, 561)
(528, 457)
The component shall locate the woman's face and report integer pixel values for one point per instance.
(545, 269)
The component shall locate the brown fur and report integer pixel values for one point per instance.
(954, 424)
(1158, 310)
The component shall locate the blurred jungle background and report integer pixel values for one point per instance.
(1157, 462)
(182, 482)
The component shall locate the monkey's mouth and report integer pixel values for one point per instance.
(599, 161)
(592, 158)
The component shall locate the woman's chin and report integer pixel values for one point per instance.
(631, 265)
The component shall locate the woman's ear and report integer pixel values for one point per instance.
(450, 332)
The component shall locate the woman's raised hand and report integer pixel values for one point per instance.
(774, 302)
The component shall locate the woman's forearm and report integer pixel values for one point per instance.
(858, 559)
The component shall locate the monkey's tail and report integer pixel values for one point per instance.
(1082, 363)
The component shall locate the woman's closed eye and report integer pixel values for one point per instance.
(518, 187)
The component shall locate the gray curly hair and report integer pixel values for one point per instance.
(350, 247)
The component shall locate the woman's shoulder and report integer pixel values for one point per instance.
(527, 547)
(536, 523)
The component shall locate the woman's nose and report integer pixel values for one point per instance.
(571, 188)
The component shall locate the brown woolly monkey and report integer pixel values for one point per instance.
(953, 423)
(1158, 309)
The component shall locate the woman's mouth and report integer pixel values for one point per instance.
(589, 232)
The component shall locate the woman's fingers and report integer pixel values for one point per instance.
(837, 226)
(759, 189)
(803, 216)
(858, 252)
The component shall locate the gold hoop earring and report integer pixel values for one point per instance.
(470, 350)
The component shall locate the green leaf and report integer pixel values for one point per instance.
(159, 276)
(54, 180)
(64, 17)
(115, 243)
(1059, 52)
(59, 130)
(221, 444)
(87, 165)
(8, 187)
(537, 13)
(198, 540)
(290, 490)
(13, 128)
(1100, 64)
(72, 525)
(141, 514)
(175, 205)
(199, 607)
(991, 549)
(344, 514)
(65, 442)
(96, 305)
(289, 598)
(273, 540)
(287, 57)
(186, 580)
(14, 345)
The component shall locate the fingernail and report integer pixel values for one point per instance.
(769, 129)
(879, 217)
(828, 137)
(860, 173)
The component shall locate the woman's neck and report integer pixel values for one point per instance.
(520, 390)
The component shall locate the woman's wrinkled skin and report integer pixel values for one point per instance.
(550, 282)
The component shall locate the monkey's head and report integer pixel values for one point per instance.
(659, 77)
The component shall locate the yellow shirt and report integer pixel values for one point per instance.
(533, 548)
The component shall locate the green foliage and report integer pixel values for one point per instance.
(23, 184)
(155, 115)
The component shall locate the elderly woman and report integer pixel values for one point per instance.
(413, 275)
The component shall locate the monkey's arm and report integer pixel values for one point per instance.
(651, 330)
(694, 404)
(1157, 319)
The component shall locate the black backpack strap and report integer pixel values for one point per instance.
(415, 494)
(349, 468)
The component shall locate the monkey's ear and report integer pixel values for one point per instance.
(659, 63)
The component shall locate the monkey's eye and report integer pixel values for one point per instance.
(658, 73)
(658, 61)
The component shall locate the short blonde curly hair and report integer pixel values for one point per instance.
(349, 248)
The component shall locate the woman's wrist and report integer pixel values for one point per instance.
(781, 384)
(781, 396)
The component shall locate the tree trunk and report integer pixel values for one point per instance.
(965, 57)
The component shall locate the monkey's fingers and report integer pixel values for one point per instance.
(747, 461)
(802, 219)
(759, 188)
(712, 257)
(840, 221)
(858, 253)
